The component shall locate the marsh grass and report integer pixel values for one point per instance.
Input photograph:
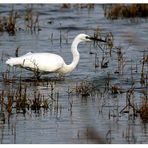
(121, 11)
(31, 20)
(10, 23)
(80, 6)
(120, 60)
(21, 99)
(105, 48)
(109, 50)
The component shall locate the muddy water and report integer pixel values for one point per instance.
(71, 117)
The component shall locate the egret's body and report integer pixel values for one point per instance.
(38, 61)
(48, 62)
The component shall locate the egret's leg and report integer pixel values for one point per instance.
(37, 75)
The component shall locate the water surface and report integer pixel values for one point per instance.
(69, 115)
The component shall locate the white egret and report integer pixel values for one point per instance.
(49, 62)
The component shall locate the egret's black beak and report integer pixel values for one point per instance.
(95, 39)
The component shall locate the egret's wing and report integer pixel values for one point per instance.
(40, 61)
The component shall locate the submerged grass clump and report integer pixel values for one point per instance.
(84, 88)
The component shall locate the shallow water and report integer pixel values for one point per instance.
(70, 116)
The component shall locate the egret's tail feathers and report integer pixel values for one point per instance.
(12, 61)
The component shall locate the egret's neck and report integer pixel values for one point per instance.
(75, 53)
(76, 57)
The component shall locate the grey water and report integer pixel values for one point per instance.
(68, 119)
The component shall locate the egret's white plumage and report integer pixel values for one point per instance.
(48, 62)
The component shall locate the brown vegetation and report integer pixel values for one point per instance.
(9, 23)
(81, 6)
(84, 88)
(116, 11)
(144, 112)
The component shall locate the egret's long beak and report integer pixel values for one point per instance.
(96, 39)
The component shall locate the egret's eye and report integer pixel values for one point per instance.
(87, 37)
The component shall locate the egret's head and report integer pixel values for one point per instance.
(85, 37)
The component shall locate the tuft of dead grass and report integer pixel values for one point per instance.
(84, 88)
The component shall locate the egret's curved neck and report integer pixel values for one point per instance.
(76, 56)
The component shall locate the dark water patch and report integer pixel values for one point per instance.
(66, 18)
(72, 28)
(45, 79)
